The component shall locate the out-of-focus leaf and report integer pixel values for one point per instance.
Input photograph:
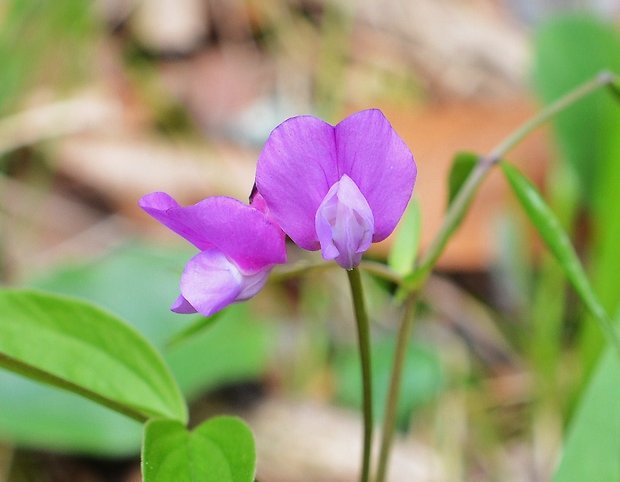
(74, 345)
(593, 443)
(199, 325)
(462, 165)
(36, 415)
(235, 348)
(557, 241)
(138, 283)
(569, 50)
(405, 246)
(219, 450)
(422, 378)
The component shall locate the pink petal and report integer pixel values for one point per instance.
(182, 306)
(241, 232)
(210, 282)
(379, 163)
(294, 172)
(168, 212)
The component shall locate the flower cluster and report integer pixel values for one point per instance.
(334, 188)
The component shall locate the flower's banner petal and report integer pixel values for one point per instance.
(344, 224)
(294, 172)
(221, 449)
(182, 306)
(242, 233)
(380, 163)
(210, 282)
(168, 212)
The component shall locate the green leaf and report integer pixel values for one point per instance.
(405, 247)
(557, 242)
(220, 450)
(593, 443)
(235, 348)
(569, 49)
(74, 345)
(462, 165)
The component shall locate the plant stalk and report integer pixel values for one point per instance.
(452, 220)
(389, 418)
(363, 335)
(459, 206)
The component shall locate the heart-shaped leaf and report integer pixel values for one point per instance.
(79, 347)
(220, 450)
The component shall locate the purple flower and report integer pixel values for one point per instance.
(336, 188)
(238, 247)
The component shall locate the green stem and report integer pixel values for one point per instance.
(459, 206)
(454, 216)
(363, 335)
(389, 418)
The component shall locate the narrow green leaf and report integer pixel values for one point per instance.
(79, 347)
(405, 247)
(593, 443)
(462, 165)
(220, 450)
(558, 243)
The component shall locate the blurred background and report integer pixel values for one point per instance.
(102, 102)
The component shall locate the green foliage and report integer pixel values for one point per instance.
(557, 242)
(219, 450)
(568, 51)
(28, 56)
(405, 247)
(593, 443)
(138, 283)
(422, 378)
(462, 166)
(74, 345)
(236, 348)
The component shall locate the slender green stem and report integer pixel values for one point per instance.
(459, 206)
(298, 269)
(363, 335)
(389, 417)
(382, 271)
(451, 222)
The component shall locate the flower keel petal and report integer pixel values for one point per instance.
(182, 306)
(211, 281)
(344, 224)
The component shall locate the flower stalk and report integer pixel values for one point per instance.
(363, 335)
(389, 418)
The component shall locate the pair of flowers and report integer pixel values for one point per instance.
(335, 188)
